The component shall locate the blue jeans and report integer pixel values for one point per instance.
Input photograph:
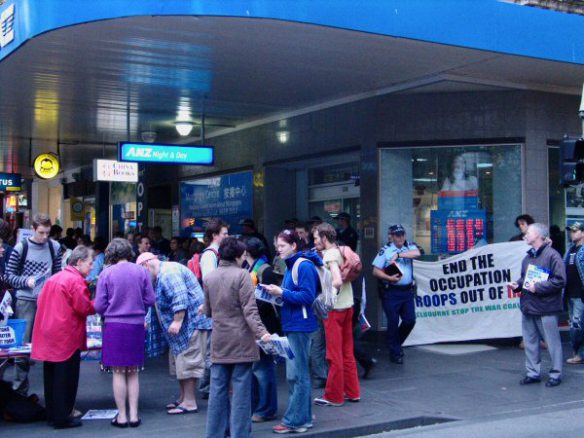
(239, 377)
(576, 308)
(264, 386)
(299, 410)
(398, 304)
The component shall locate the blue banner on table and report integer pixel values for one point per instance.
(229, 197)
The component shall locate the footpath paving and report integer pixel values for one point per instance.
(452, 390)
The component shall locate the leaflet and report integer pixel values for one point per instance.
(262, 295)
(278, 346)
(6, 309)
(535, 274)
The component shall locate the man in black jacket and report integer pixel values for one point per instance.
(543, 275)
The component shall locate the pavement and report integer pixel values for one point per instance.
(469, 389)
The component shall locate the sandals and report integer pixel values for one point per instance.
(182, 411)
(172, 405)
(115, 423)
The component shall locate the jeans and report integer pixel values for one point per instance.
(576, 308)
(299, 411)
(264, 387)
(239, 377)
(318, 364)
(398, 304)
(342, 378)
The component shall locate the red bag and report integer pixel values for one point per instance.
(194, 264)
(352, 266)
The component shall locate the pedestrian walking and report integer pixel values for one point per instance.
(124, 294)
(574, 261)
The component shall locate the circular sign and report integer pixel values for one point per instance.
(46, 166)
(77, 207)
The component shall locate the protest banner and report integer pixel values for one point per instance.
(466, 297)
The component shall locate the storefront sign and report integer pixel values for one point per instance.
(46, 166)
(112, 170)
(10, 182)
(77, 209)
(166, 154)
(7, 26)
(466, 296)
(229, 197)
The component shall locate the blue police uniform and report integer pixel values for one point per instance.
(398, 298)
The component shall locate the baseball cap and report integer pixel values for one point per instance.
(145, 257)
(576, 226)
(248, 222)
(344, 215)
(397, 229)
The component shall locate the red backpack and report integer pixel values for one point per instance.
(194, 264)
(352, 266)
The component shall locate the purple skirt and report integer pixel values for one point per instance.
(123, 345)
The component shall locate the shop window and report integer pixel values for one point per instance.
(451, 199)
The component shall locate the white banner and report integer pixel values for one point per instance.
(466, 296)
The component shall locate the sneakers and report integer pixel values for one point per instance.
(324, 402)
(529, 380)
(282, 429)
(368, 367)
(553, 382)
(353, 400)
(576, 360)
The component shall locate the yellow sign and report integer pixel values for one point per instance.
(46, 166)
(77, 209)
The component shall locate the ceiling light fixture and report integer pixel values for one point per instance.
(183, 128)
(283, 136)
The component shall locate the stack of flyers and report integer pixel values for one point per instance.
(262, 295)
(535, 274)
(278, 346)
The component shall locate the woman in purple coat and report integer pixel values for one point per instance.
(124, 293)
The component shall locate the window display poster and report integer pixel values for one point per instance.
(229, 197)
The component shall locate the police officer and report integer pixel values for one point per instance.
(398, 289)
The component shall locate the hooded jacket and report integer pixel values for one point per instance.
(297, 313)
(547, 298)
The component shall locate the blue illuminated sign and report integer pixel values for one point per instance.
(10, 182)
(166, 154)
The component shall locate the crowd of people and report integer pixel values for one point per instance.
(197, 301)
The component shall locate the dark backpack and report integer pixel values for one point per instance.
(19, 408)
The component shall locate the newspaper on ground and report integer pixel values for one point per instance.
(100, 414)
(278, 346)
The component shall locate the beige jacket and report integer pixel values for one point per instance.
(230, 301)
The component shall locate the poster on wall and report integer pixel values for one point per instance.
(466, 296)
(229, 197)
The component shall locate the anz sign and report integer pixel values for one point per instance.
(166, 154)
(7, 26)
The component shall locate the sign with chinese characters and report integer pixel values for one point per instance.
(229, 197)
(46, 166)
(7, 26)
(112, 170)
(10, 182)
(166, 154)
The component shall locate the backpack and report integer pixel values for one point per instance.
(326, 297)
(352, 266)
(194, 264)
(19, 408)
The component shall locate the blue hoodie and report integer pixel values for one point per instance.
(297, 313)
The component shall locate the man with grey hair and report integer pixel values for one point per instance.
(543, 275)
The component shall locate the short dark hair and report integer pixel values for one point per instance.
(55, 230)
(157, 229)
(326, 230)
(70, 232)
(99, 244)
(231, 248)
(141, 238)
(525, 218)
(302, 225)
(290, 237)
(118, 249)
(5, 230)
(213, 227)
(255, 247)
(41, 219)
(80, 253)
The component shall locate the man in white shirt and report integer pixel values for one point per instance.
(215, 232)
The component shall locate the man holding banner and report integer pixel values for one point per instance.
(543, 276)
(394, 267)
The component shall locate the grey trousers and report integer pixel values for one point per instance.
(205, 381)
(24, 310)
(318, 362)
(546, 327)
